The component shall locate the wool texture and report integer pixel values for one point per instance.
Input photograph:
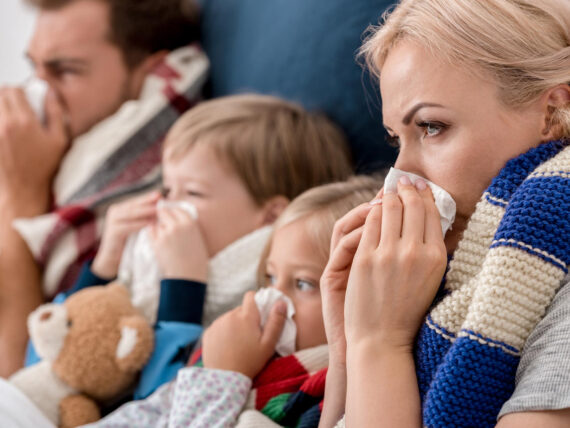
(506, 270)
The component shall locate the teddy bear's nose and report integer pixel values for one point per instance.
(45, 316)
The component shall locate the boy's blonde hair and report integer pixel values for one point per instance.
(274, 146)
(523, 44)
(320, 208)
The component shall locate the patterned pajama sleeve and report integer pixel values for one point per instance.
(197, 398)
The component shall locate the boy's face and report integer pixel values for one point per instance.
(294, 267)
(226, 210)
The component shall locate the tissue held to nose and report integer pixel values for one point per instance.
(265, 298)
(443, 200)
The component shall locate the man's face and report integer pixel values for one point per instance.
(71, 50)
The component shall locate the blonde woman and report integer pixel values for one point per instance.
(476, 94)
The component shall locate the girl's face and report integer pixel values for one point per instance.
(294, 267)
(226, 210)
(451, 127)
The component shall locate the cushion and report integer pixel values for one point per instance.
(303, 51)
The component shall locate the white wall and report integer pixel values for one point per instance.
(16, 24)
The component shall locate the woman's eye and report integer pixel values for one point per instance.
(164, 191)
(193, 193)
(393, 141)
(305, 285)
(431, 129)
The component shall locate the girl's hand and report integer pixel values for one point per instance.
(396, 271)
(179, 245)
(236, 342)
(346, 235)
(121, 220)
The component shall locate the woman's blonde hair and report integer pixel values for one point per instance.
(320, 208)
(523, 44)
(275, 147)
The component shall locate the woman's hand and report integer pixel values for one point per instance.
(121, 220)
(346, 235)
(179, 245)
(397, 269)
(236, 342)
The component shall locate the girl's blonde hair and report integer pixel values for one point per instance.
(275, 147)
(320, 208)
(523, 44)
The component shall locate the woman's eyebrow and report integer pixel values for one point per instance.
(408, 117)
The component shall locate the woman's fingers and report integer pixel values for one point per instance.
(341, 257)
(391, 218)
(413, 221)
(354, 219)
(432, 229)
(372, 228)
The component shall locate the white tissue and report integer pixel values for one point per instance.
(443, 200)
(265, 298)
(139, 266)
(36, 91)
(189, 207)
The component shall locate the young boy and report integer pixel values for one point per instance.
(230, 166)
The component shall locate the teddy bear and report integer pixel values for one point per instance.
(91, 347)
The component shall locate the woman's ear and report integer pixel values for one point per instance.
(556, 99)
(272, 209)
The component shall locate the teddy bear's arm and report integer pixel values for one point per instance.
(76, 410)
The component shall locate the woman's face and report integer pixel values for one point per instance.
(451, 127)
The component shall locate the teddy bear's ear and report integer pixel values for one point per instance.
(136, 344)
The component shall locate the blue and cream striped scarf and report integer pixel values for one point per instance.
(509, 264)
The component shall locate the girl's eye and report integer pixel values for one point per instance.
(305, 285)
(164, 191)
(393, 141)
(432, 129)
(193, 193)
(270, 279)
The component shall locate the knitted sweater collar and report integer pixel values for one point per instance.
(510, 262)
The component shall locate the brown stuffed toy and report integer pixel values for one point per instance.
(92, 347)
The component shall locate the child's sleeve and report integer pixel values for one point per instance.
(149, 413)
(87, 278)
(178, 328)
(208, 397)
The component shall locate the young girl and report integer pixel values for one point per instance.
(237, 162)
(235, 383)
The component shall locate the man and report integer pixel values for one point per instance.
(95, 55)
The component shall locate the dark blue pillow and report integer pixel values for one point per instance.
(304, 51)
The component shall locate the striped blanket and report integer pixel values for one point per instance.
(118, 157)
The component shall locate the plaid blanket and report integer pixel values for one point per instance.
(118, 157)
(289, 390)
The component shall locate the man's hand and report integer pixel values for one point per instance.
(30, 152)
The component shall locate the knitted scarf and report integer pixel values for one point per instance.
(120, 156)
(289, 391)
(509, 264)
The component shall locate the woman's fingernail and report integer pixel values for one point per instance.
(405, 180)
(377, 201)
(421, 184)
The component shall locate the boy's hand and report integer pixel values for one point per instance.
(179, 245)
(236, 342)
(121, 220)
